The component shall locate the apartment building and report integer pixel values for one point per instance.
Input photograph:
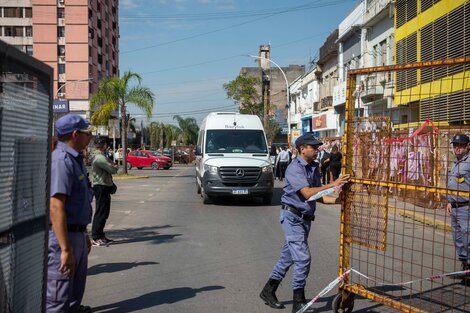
(77, 38)
(428, 30)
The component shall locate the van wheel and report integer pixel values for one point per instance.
(267, 199)
(206, 199)
(154, 166)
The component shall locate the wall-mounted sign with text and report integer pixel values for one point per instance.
(60, 106)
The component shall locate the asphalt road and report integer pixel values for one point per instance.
(174, 254)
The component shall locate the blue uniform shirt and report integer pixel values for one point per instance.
(300, 174)
(69, 177)
(459, 178)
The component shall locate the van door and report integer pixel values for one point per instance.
(199, 158)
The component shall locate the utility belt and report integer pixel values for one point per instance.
(298, 213)
(459, 204)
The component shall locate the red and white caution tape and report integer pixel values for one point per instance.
(339, 279)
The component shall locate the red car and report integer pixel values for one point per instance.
(146, 158)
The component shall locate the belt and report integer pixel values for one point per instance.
(458, 204)
(74, 228)
(298, 213)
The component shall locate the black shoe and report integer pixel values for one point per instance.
(299, 301)
(268, 294)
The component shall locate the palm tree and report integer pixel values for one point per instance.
(116, 93)
(189, 129)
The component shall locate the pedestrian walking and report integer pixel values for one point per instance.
(457, 206)
(324, 157)
(102, 170)
(296, 216)
(70, 213)
(283, 161)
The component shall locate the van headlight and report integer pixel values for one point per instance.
(211, 169)
(267, 169)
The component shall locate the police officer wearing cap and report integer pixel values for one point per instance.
(70, 212)
(302, 181)
(457, 206)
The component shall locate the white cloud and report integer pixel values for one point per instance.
(129, 4)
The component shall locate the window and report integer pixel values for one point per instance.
(99, 24)
(18, 31)
(100, 59)
(61, 50)
(22, 48)
(60, 12)
(8, 31)
(12, 12)
(61, 69)
(29, 50)
(28, 12)
(61, 31)
(100, 42)
(29, 31)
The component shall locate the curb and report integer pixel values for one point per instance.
(128, 177)
(423, 219)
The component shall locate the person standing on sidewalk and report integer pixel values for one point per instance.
(283, 161)
(457, 206)
(297, 214)
(70, 213)
(102, 170)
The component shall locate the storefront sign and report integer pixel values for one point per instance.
(60, 106)
(319, 122)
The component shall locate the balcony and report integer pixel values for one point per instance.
(375, 9)
(326, 103)
(329, 48)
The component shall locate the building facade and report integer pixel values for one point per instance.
(427, 30)
(77, 38)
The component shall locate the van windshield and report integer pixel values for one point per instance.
(235, 141)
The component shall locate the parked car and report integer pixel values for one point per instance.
(145, 158)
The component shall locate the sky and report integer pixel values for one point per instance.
(185, 50)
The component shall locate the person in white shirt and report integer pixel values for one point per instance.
(283, 160)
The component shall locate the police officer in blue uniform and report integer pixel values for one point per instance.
(457, 206)
(302, 181)
(70, 212)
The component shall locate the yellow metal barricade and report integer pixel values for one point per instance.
(395, 232)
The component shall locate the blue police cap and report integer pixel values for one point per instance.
(307, 139)
(460, 139)
(70, 122)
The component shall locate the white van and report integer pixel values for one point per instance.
(232, 157)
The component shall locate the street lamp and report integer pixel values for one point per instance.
(287, 93)
(72, 82)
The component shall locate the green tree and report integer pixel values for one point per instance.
(189, 129)
(243, 90)
(272, 129)
(115, 93)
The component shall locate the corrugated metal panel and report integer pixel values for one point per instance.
(426, 51)
(452, 107)
(25, 115)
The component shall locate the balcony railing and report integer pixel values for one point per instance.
(326, 103)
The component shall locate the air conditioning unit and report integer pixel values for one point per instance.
(61, 94)
(62, 58)
(61, 21)
(62, 1)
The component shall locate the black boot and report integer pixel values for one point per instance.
(300, 301)
(268, 294)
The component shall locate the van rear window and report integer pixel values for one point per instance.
(235, 141)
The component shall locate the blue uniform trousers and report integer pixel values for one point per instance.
(295, 250)
(461, 232)
(64, 294)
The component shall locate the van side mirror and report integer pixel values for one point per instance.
(198, 150)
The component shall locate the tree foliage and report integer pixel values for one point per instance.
(115, 93)
(189, 129)
(243, 90)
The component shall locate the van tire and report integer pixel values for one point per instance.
(267, 199)
(206, 199)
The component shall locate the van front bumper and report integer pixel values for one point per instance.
(214, 186)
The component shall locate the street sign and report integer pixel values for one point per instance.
(60, 106)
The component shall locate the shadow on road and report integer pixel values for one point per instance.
(154, 299)
(115, 267)
(140, 234)
(249, 201)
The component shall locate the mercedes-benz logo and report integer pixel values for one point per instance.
(239, 172)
